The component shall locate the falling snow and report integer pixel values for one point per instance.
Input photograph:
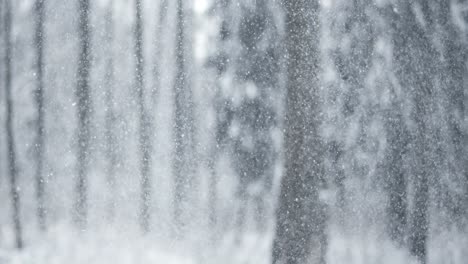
(233, 131)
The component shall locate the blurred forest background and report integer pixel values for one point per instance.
(233, 131)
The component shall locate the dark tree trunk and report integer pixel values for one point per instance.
(39, 98)
(336, 151)
(419, 218)
(2, 29)
(300, 232)
(159, 51)
(144, 137)
(181, 125)
(111, 141)
(395, 175)
(84, 115)
(422, 97)
(12, 166)
(398, 139)
(415, 68)
(455, 54)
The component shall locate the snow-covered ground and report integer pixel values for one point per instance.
(109, 245)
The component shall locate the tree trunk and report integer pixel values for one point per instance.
(455, 55)
(110, 118)
(39, 98)
(2, 71)
(422, 90)
(84, 115)
(398, 139)
(300, 231)
(415, 69)
(182, 126)
(158, 51)
(12, 166)
(336, 152)
(395, 175)
(144, 142)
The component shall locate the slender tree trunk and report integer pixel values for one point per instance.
(144, 142)
(39, 98)
(111, 141)
(12, 166)
(336, 152)
(180, 126)
(424, 160)
(395, 176)
(2, 71)
(415, 68)
(2, 58)
(158, 51)
(84, 115)
(398, 139)
(1, 40)
(455, 55)
(419, 219)
(300, 231)
(212, 191)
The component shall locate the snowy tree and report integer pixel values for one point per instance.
(84, 114)
(110, 119)
(183, 123)
(450, 40)
(410, 59)
(39, 97)
(144, 119)
(286, 131)
(158, 49)
(10, 133)
(300, 232)
(245, 113)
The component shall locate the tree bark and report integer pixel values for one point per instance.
(413, 55)
(158, 50)
(39, 100)
(12, 165)
(398, 138)
(84, 115)
(183, 122)
(395, 175)
(300, 231)
(454, 72)
(144, 119)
